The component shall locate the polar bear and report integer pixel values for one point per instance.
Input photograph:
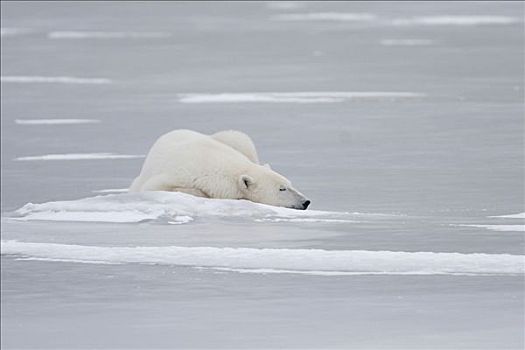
(223, 165)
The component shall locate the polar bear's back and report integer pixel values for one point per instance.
(185, 147)
(183, 155)
(238, 141)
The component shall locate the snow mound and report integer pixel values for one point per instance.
(58, 80)
(310, 261)
(80, 156)
(293, 97)
(106, 35)
(510, 216)
(284, 5)
(325, 16)
(505, 228)
(55, 121)
(452, 20)
(111, 190)
(164, 207)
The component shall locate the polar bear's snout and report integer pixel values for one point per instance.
(296, 199)
(303, 205)
(306, 204)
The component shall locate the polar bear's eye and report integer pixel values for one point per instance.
(282, 189)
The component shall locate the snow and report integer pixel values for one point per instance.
(79, 156)
(325, 16)
(292, 97)
(450, 20)
(59, 80)
(406, 42)
(289, 260)
(68, 260)
(505, 228)
(510, 216)
(162, 206)
(106, 35)
(306, 220)
(111, 190)
(55, 121)
(284, 5)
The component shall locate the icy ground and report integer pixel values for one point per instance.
(402, 122)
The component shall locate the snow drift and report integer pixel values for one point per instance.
(305, 261)
(166, 207)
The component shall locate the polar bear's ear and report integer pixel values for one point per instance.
(267, 166)
(245, 182)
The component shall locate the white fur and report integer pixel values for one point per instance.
(238, 141)
(224, 165)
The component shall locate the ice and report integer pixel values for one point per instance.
(501, 227)
(9, 32)
(289, 260)
(106, 35)
(97, 262)
(406, 42)
(306, 220)
(510, 216)
(59, 80)
(449, 20)
(111, 190)
(451, 155)
(284, 5)
(325, 16)
(93, 216)
(55, 121)
(167, 206)
(509, 228)
(79, 156)
(292, 97)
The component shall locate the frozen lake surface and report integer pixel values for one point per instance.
(402, 122)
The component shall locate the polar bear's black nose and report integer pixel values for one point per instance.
(306, 204)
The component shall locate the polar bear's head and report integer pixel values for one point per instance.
(263, 185)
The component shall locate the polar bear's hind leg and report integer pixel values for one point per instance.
(192, 191)
(162, 183)
(156, 183)
(135, 185)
